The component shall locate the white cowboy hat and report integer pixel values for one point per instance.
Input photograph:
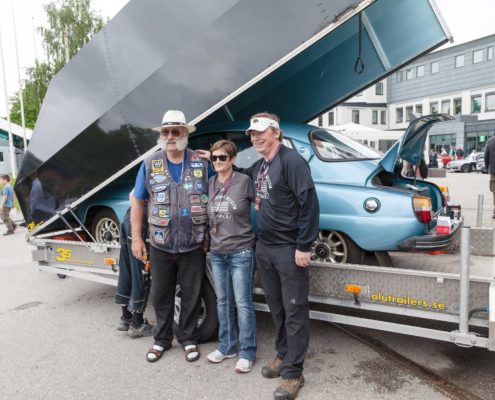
(174, 118)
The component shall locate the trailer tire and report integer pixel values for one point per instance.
(105, 226)
(61, 276)
(208, 320)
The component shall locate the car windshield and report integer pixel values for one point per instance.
(332, 146)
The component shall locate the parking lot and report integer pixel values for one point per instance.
(59, 341)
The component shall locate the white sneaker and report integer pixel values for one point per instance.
(244, 365)
(217, 356)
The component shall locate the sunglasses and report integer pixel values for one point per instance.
(174, 132)
(223, 157)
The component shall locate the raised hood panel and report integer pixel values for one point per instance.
(216, 60)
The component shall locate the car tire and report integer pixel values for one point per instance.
(337, 247)
(105, 227)
(466, 168)
(208, 319)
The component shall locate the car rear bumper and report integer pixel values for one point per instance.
(432, 240)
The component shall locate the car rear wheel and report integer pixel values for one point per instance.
(466, 168)
(336, 247)
(105, 227)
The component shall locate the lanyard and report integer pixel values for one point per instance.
(263, 172)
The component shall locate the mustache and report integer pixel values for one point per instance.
(181, 144)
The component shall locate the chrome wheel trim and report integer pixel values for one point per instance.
(333, 248)
(107, 226)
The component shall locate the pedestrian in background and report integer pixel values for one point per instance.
(6, 204)
(490, 166)
(232, 257)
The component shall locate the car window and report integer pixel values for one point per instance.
(330, 146)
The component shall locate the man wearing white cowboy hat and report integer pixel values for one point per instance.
(174, 180)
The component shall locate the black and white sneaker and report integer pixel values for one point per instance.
(144, 330)
(124, 324)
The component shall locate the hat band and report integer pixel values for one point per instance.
(173, 123)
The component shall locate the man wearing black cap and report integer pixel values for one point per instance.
(174, 181)
(287, 224)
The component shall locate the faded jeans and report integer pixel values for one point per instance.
(129, 285)
(233, 277)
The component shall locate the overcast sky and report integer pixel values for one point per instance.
(466, 19)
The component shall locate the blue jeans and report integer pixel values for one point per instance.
(233, 277)
(129, 285)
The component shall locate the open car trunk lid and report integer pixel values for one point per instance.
(216, 61)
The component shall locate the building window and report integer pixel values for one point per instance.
(420, 71)
(379, 88)
(489, 53)
(383, 117)
(490, 102)
(331, 118)
(320, 121)
(1, 156)
(359, 94)
(374, 117)
(419, 109)
(476, 104)
(434, 107)
(409, 111)
(409, 73)
(355, 116)
(434, 67)
(457, 106)
(477, 56)
(445, 106)
(400, 76)
(399, 115)
(459, 61)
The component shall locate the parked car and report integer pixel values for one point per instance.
(465, 164)
(365, 203)
(480, 166)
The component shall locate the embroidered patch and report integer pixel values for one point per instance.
(159, 178)
(159, 221)
(194, 199)
(152, 181)
(199, 186)
(198, 173)
(204, 198)
(162, 197)
(187, 186)
(184, 212)
(159, 188)
(154, 210)
(195, 157)
(157, 166)
(198, 209)
(196, 165)
(159, 237)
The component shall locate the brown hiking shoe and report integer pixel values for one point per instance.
(289, 388)
(272, 370)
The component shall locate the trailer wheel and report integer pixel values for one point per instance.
(61, 276)
(105, 227)
(336, 247)
(208, 317)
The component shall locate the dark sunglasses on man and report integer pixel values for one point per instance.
(174, 132)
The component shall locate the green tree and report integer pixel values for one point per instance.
(71, 24)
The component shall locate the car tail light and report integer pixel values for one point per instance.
(445, 191)
(422, 208)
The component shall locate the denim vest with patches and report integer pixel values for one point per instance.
(177, 214)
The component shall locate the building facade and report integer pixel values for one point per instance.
(459, 81)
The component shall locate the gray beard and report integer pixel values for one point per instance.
(181, 144)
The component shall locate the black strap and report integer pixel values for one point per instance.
(359, 65)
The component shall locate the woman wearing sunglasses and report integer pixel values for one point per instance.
(232, 257)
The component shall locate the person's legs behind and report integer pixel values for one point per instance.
(492, 189)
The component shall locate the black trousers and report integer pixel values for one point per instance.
(167, 270)
(286, 289)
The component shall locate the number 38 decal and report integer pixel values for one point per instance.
(63, 254)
